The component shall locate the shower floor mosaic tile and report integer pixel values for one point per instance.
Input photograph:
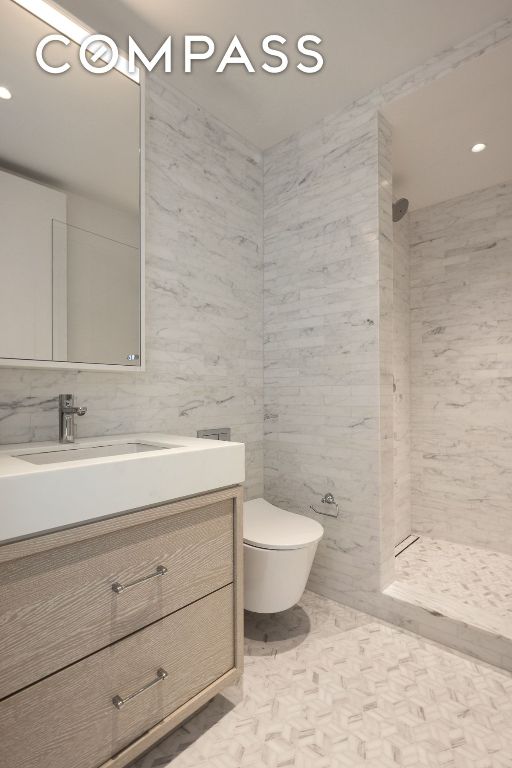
(455, 577)
(326, 686)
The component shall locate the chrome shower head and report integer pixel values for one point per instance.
(400, 208)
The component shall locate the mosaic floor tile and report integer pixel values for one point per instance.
(326, 687)
(454, 576)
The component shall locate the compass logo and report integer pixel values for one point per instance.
(100, 54)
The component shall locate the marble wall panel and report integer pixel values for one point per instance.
(401, 380)
(321, 347)
(461, 304)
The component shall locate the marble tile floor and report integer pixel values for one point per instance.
(328, 686)
(475, 584)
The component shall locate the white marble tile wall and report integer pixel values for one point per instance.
(461, 289)
(385, 337)
(321, 342)
(401, 381)
(204, 299)
(328, 340)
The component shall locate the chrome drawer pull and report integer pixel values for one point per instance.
(119, 702)
(161, 570)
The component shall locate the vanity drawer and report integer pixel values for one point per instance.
(70, 719)
(59, 606)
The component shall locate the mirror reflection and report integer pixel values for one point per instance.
(70, 206)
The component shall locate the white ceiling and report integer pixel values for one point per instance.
(74, 131)
(435, 127)
(366, 43)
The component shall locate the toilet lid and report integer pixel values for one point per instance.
(271, 527)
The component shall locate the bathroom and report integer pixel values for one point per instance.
(218, 267)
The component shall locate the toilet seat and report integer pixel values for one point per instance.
(279, 549)
(270, 527)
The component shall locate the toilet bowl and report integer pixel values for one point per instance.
(279, 549)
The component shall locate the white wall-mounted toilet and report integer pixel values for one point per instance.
(279, 549)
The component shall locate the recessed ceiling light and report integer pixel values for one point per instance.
(478, 147)
(5, 92)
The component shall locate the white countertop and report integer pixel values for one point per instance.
(37, 498)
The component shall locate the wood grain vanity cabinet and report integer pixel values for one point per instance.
(114, 632)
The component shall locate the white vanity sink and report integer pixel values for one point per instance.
(44, 486)
(75, 453)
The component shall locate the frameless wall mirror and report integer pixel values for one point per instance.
(71, 256)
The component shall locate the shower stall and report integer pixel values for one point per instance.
(452, 352)
(452, 406)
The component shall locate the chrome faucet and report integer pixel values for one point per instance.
(67, 413)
